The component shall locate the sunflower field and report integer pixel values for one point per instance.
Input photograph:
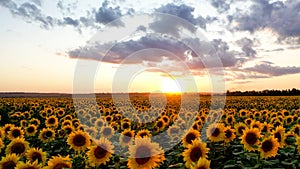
(54, 133)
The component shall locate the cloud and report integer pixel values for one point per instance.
(106, 14)
(282, 17)
(268, 69)
(221, 5)
(247, 47)
(182, 17)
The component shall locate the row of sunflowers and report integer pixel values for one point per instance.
(55, 133)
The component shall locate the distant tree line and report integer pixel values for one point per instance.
(287, 92)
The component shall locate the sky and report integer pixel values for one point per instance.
(147, 46)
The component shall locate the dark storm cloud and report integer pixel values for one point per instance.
(283, 18)
(247, 47)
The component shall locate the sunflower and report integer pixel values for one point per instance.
(243, 113)
(145, 154)
(248, 121)
(35, 121)
(126, 138)
(202, 163)
(143, 133)
(173, 131)
(239, 128)
(31, 130)
(2, 145)
(229, 134)
(190, 136)
(289, 139)
(215, 132)
(15, 132)
(250, 138)
(79, 140)
(2, 134)
(59, 162)
(265, 127)
(23, 123)
(66, 123)
(230, 119)
(296, 129)
(166, 119)
(298, 143)
(125, 125)
(99, 123)
(18, 146)
(60, 112)
(10, 161)
(279, 134)
(52, 121)
(100, 153)
(289, 120)
(255, 124)
(194, 152)
(36, 154)
(268, 148)
(28, 165)
(160, 124)
(107, 131)
(68, 129)
(7, 128)
(47, 135)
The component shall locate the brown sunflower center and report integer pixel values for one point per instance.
(278, 136)
(9, 165)
(51, 121)
(61, 166)
(264, 129)
(190, 137)
(241, 129)
(30, 167)
(215, 132)
(251, 138)
(99, 152)
(144, 134)
(125, 125)
(201, 167)
(267, 146)
(16, 133)
(18, 148)
(288, 120)
(36, 156)
(229, 119)
(159, 124)
(79, 140)
(48, 134)
(228, 133)
(30, 129)
(297, 131)
(195, 154)
(107, 131)
(127, 137)
(143, 154)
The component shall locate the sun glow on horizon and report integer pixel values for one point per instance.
(169, 85)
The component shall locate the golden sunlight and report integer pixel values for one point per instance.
(169, 85)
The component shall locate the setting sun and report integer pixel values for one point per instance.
(169, 85)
